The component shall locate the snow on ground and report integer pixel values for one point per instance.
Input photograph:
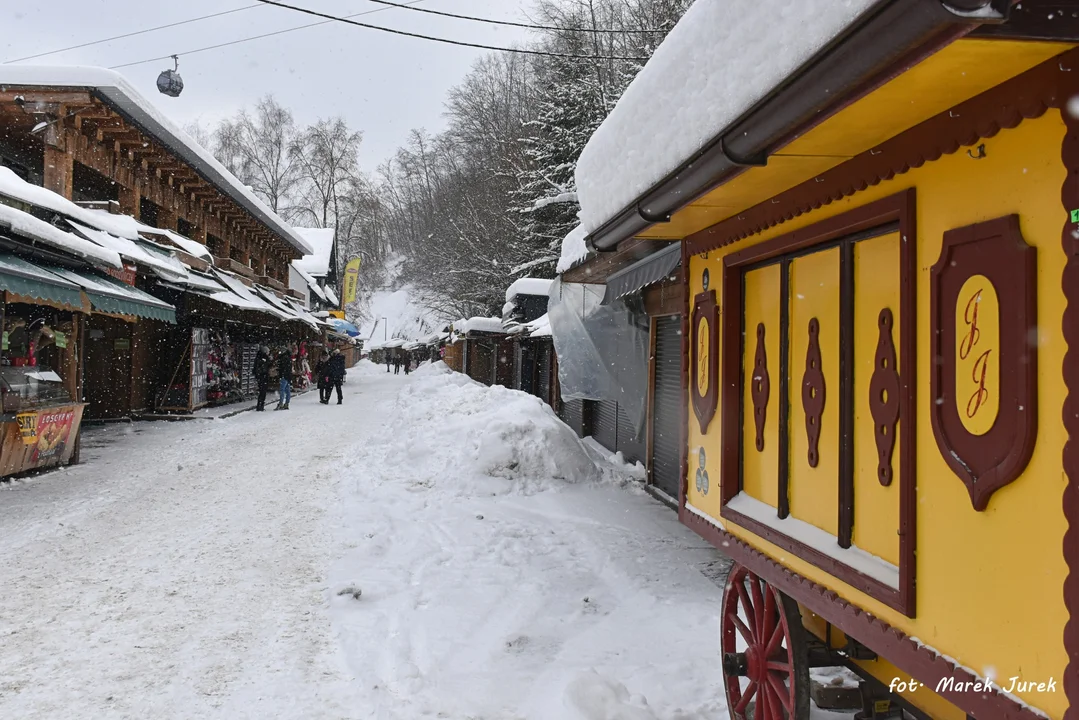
(431, 549)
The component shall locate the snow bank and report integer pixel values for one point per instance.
(719, 60)
(574, 249)
(591, 696)
(447, 420)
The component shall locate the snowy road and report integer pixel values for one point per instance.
(193, 570)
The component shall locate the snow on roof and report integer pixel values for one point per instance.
(239, 295)
(331, 296)
(540, 327)
(122, 96)
(479, 324)
(13, 186)
(528, 286)
(131, 250)
(721, 58)
(312, 284)
(317, 260)
(28, 225)
(574, 249)
(189, 246)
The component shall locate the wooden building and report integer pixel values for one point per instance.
(191, 237)
(880, 276)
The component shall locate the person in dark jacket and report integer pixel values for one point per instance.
(335, 371)
(322, 374)
(284, 371)
(261, 372)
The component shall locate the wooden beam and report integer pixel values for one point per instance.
(39, 95)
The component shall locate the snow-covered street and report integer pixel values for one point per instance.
(206, 569)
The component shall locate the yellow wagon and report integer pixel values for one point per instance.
(881, 369)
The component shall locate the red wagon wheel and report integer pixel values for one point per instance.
(765, 663)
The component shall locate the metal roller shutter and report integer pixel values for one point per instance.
(605, 423)
(667, 406)
(573, 415)
(633, 448)
(543, 372)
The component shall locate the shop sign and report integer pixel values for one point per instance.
(27, 423)
(121, 344)
(126, 274)
(59, 338)
(5, 340)
(53, 431)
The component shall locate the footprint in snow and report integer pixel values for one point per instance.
(353, 590)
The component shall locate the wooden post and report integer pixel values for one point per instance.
(130, 201)
(59, 165)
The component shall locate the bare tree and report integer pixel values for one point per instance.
(256, 148)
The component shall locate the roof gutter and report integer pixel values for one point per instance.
(899, 34)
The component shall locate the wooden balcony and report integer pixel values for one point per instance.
(224, 263)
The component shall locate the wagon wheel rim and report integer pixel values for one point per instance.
(762, 646)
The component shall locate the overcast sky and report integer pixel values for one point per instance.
(382, 84)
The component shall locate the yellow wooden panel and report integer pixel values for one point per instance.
(955, 74)
(984, 598)
(761, 469)
(977, 352)
(876, 286)
(814, 293)
(707, 498)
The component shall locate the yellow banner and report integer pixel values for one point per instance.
(352, 280)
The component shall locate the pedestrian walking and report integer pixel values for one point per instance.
(262, 375)
(323, 372)
(335, 371)
(397, 366)
(387, 363)
(284, 372)
(408, 365)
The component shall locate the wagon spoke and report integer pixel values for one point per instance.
(762, 703)
(781, 692)
(746, 634)
(748, 607)
(779, 666)
(758, 606)
(744, 702)
(774, 641)
(770, 617)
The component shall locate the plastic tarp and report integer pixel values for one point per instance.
(602, 349)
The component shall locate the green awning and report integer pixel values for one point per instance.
(109, 295)
(25, 278)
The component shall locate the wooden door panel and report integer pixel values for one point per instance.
(761, 362)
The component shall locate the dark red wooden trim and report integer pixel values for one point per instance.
(730, 412)
(684, 272)
(884, 396)
(761, 385)
(814, 393)
(1069, 194)
(704, 406)
(997, 250)
(895, 209)
(783, 506)
(1026, 96)
(911, 657)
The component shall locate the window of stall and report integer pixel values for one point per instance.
(38, 366)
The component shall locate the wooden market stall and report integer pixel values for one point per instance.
(881, 276)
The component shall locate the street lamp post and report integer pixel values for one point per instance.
(384, 333)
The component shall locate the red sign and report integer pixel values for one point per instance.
(53, 435)
(125, 275)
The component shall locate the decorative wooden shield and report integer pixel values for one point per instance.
(704, 353)
(984, 317)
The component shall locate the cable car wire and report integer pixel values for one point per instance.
(133, 34)
(253, 37)
(461, 43)
(509, 23)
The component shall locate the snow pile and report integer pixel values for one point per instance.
(594, 697)
(574, 249)
(495, 433)
(721, 58)
(478, 324)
